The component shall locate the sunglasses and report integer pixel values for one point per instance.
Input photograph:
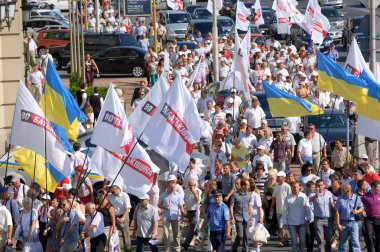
(311, 128)
(308, 170)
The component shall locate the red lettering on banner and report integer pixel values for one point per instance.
(138, 165)
(352, 70)
(318, 27)
(311, 12)
(113, 119)
(242, 17)
(257, 16)
(178, 125)
(30, 117)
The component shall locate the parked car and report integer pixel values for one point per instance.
(93, 42)
(44, 13)
(300, 37)
(336, 3)
(204, 26)
(52, 38)
(334, 17)
(226, 22)
(190, 8)
(176, 23)
(43, 6)
(336, 35)
(331, 125)
(120, 60)
(38, 24)
(351, 28)
(256, 35)
(201, 13)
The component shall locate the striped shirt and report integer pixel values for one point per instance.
(260, 184)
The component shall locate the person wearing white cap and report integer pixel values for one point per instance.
(254, 114)
(172, 204)
(280, 191)
(236, 100)
(224, 70)
(261, 157)
(19, 189)
(145, 219)
(364, 159)
(43, 213)
(230, 108)
(122, 204)
(217, 117)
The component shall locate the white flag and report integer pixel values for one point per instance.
(191, 79)
(228, 82)
(145, 110)
(137, 175)
(166, 62)
(218, 3)
(112, 130)
(32, 130)
(242, 13)
(355, 64)
(320, 28)
(176, 125)
(283, 16)
(241, 65)
(175, 4)
(311, 9)
(258, 19)
(295, 15)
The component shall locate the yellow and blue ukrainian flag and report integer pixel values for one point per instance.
(283, 104)
(370, 107)
(60, 108)
(335, 79)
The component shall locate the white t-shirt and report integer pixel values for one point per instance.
(120, 202)
(265, 160)
(305, 148)
(325, 176)
(294, 124)
(5, 219)
(280, 192)
(255, 202)
(36, 77)
(254, 116)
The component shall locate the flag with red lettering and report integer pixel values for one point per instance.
(145, 110)
(175, 126)
(175, 4)
(320, 28)
(32, 130)
(295, 15)
(112, 130)
(282, 16)
(258, 15)
(137, 175)
(242, 14)
(311, 9)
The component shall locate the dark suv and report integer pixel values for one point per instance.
(93, 42)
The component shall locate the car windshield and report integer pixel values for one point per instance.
(267, 15)
(204, 13)
(225, 22)
(206, 27)
(178, 18)
(356, 25)
(330, 13)
(328, 121)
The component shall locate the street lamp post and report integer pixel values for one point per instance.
(154, 7)
(215, 51)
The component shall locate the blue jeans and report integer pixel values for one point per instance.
(306, 160)
(140, 244)
(298, 231)
(349, 229)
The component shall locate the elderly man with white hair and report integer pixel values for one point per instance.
(94, 228)
(192, 200)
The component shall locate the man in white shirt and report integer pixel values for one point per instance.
(31, 51)
(236, 99)
(294, 124)
(318, 147)
(305, 149)
(122, 204)
(6, 225)
(204, 145)
(202, 102)
(94, 228)
(230, 109)
(36, 81)
(79, 158)
(248, 139)
(254, 114)
(325, 173)
(261, 157)
(290, 141)
(273, 42)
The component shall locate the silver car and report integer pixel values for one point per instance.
(336, 3)
(176, 23)
(336, 34)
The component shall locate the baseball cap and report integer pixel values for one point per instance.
(216, 192)
(45, 197)
(201, 114)
(264, 121)
(244, 121)
(230, 100)
(314, 73)
(224, 37)
(66, 187)
(145, 196)
(278, 61)
(261, 147)
(233, 90)
(364, 156)
(172, 177)
(15, 177)
(281, 174)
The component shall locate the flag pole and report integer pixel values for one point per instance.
(215, 51)
(348, 128)
(6, 165)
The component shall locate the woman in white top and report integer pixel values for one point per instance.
(28, 228)
(257, 211)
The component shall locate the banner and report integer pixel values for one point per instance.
(137, 175)
(258, 18)
(112, 130)
(320, 28)
(138, 8)
(218, 3)
(283, 16)
(311, 9)
(146, 109)
(241, 65)
(175, 4)
(176, 125)
(32, 130)
(242, 12)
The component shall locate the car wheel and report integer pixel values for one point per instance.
(138, 71)
(57, 62)
(41, 50)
